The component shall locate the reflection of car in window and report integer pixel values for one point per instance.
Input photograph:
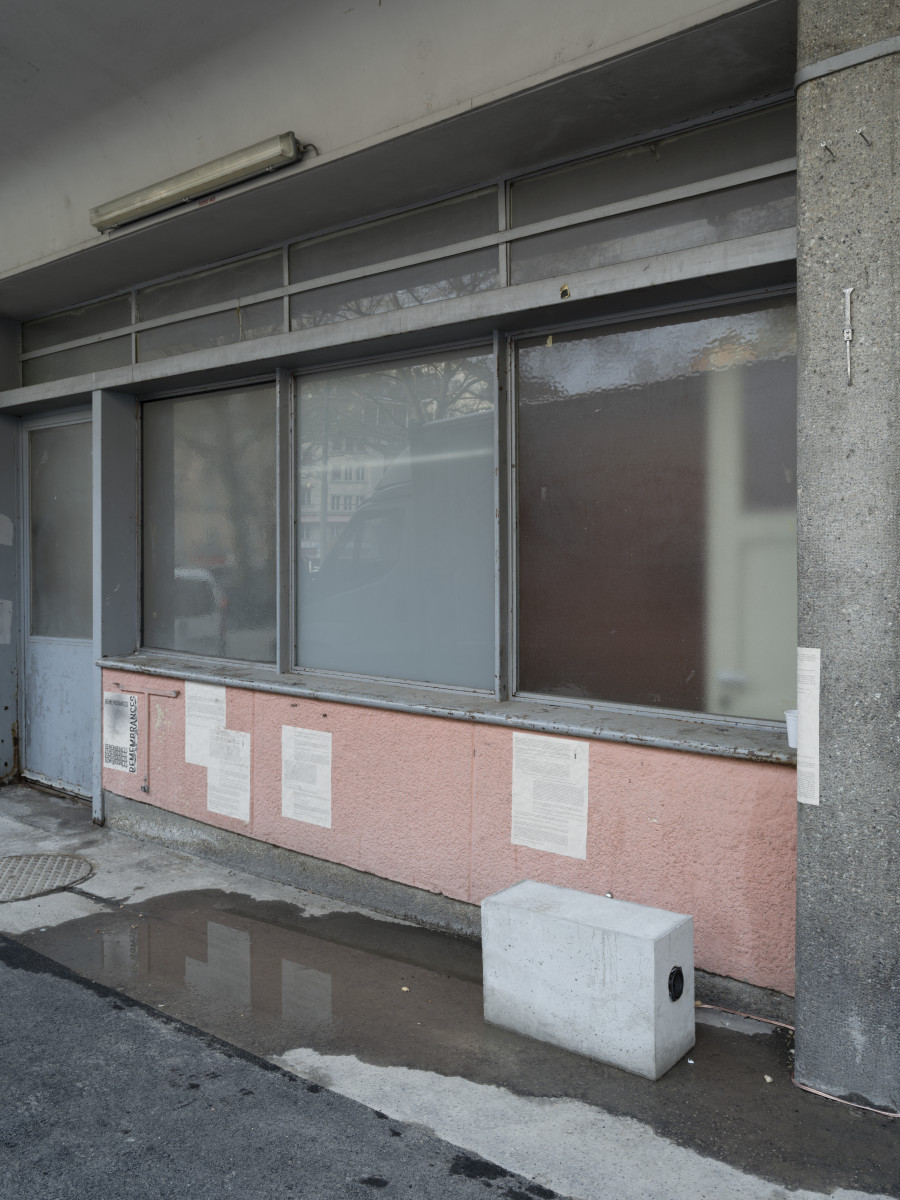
(200, 608)
(370, 545)
(398, 580)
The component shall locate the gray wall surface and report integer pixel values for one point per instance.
(848, 984)
(9, 598)
(9, 354)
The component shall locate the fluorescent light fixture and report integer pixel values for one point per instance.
(199, 181)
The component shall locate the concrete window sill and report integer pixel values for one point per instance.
(758, 741)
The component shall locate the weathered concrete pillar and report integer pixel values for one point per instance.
(848, 936)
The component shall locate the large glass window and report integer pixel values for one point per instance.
(209, 524)
(721, 216)
(59, 478)
(395, 551)
(657, 513)
(443, 279)
(655, 517)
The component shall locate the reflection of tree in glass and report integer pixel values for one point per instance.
(441, 280)
(225, 457)
(368, 418)
(373, 410)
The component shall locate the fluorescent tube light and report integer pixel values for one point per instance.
(231, 168)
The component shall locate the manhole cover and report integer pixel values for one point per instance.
(26, 875)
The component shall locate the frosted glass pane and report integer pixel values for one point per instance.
(81, 360)
(244, 278)
(409, 233)
(444, 279)
(750, 141)
(657, 518)
(396, 521)
(209, 524)
(215, 329)
(697, 221)
(59, 470)
(76, 323)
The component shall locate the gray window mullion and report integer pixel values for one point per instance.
(284, 521)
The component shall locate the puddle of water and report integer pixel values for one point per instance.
(268, 978)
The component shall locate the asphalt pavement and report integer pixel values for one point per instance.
(106, 1097)
(170, 1026)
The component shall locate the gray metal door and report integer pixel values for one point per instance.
(58, 631)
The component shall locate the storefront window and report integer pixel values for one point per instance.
(396, 555)
(657, 513)
(209, 524)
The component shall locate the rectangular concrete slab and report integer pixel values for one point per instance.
(591, 974)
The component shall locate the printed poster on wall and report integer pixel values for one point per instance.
(550, 794)
(809, 672)
(204, 711)
(120, 731)
(228, 774)
(306, 775)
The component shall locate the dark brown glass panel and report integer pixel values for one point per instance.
(657, 513)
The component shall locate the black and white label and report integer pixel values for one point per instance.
(120, 731)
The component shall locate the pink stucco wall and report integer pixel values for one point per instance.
(426, 801)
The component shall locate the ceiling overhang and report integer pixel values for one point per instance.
(735, 60)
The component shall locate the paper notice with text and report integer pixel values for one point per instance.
(550, 794)
(204, 710)
(228, 774)
(306, 775)
(809, 673)
(120, 731)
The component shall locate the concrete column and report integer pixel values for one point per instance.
(848, 943)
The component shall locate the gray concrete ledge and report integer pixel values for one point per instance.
(663, 729)
(734, 994)
(242, 853)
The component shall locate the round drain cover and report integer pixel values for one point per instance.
(26, 875)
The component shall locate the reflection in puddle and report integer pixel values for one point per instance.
(226, 971)
(267, 977)
(305, 996)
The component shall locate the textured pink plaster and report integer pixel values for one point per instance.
(426, 801)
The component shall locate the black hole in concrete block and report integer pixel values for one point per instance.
(676, 983)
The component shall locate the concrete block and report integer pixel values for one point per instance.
(589, 973)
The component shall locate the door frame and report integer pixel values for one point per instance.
(58, 417)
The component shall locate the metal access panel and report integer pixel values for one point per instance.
(58, 713)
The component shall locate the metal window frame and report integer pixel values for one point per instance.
(730, 736)
(80, 415)
(502, 239)
(441, 349)
(511, 707)
(613, 321)
(283, 513)
(503, 349)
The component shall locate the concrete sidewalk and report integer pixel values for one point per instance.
(389, 1015)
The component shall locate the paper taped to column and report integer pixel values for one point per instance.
(808, 686)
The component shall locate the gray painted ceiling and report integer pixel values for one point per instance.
(62, 60)
(734, 60)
